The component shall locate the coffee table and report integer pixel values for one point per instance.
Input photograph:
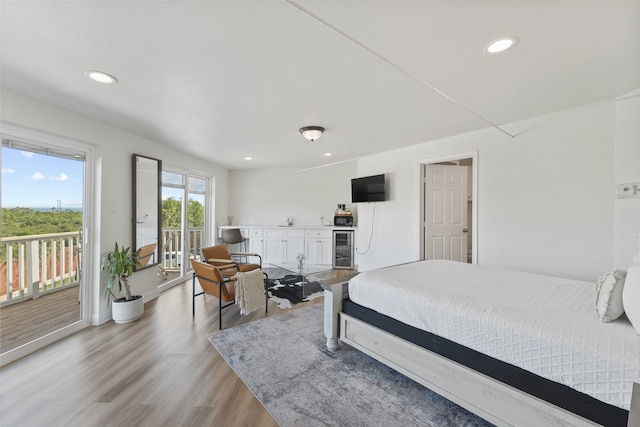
(334, 283)
(306, 275)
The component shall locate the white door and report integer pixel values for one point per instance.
(446, 212)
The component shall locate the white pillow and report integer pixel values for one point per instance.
(631, 296)
(609, 295)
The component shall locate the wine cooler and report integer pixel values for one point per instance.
(343, 249)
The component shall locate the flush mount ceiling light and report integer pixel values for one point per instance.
(501, 44)
(312, 132)
(100, 77)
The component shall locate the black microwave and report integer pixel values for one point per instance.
(343, 220)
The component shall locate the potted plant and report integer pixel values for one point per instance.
(120, 264)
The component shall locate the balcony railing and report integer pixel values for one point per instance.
(35, 265)
(171, 254)
(39, 264)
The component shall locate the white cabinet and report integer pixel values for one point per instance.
(271, 250)
(318, 246)
(272, 246)
(282, 245)
(293, 246)
(255, 240)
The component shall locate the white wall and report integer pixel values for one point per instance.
(545, 201)
(269, 196)
(111, 201)
(627, 170)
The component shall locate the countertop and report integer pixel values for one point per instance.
(295, 226)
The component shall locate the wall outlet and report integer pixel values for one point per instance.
(629, 190)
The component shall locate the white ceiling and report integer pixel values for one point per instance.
(223, 80)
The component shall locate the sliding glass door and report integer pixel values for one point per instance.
(197, 190)
(173, 190)
(41, 251)
(184, 219)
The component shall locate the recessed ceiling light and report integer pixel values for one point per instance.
(101, 76)
(248, 158)
(501, 44)
(328, 154)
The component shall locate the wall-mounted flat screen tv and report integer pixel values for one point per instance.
(368, 189)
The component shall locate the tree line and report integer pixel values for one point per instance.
(26, 221)
(172, 213)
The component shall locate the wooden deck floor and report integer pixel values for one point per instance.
(24, 321)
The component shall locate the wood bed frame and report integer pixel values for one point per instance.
(493, 400)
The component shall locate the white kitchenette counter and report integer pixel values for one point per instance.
(299, 227)
(326, 245)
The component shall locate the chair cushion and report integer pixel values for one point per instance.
(248, 267)
(228, 272)
(217, 251)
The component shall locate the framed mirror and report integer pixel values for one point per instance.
(147, 210)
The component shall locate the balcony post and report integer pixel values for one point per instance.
(54, 269)
(33, 283)
(10, 281)
(61, 261)
(44, 253)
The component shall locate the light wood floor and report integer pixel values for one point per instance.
(160, 370)
(27, 320)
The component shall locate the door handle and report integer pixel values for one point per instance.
(464, 230)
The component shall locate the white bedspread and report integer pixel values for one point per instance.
(546, 325)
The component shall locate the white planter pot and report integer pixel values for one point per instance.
(123, 311)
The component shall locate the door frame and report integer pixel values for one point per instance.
(422, 164)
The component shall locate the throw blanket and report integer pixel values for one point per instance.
(249, 291)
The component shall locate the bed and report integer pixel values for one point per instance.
(514, 348)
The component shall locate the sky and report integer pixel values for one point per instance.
(39, 181)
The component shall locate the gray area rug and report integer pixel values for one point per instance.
(285, 363)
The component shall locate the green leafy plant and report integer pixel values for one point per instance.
(120, 264)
